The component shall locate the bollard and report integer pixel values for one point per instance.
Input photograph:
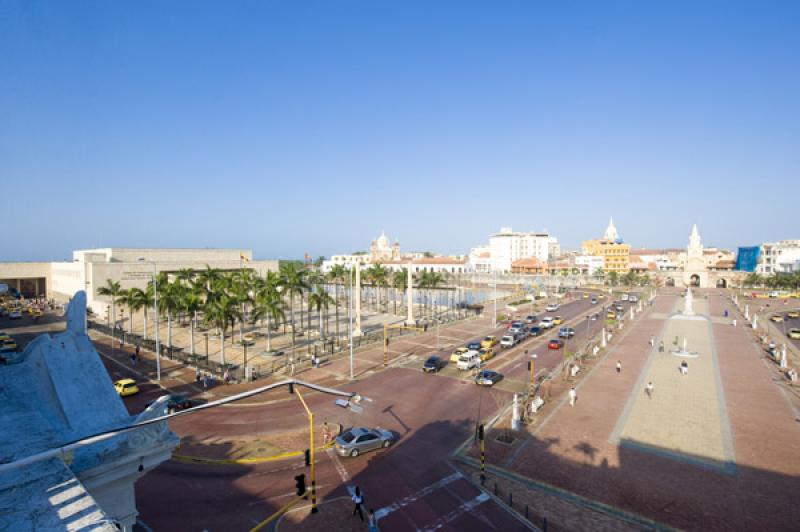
(495, 488)
(526, 512)
(510, 499)
(544, 525)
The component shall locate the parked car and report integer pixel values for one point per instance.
(457, 354)
(474, 346)
(794, 334)
(633, 298)
(10, 344)
(487, 377)
(536, 331)
(777, 318)
(469, 360)
(360, 440)
(433, 364)
(793, 314)
(566, 332)
(546, 323)
(552, 307)
(126, 387)
(176, 401)
(624, 297)
(509, 340)
(555, 343)
(530, 319)
(489, 342)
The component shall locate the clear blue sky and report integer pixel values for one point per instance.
(288, 127)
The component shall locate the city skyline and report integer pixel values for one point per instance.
(294, 129)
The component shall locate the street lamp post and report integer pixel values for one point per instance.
(350, 315)
(494, 298)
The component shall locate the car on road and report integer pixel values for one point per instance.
(489, 342)
(624, 297)
(552, 307)
(433, 364)
(585, 295)
(7, 349)
(515, 330)
(557, 320)
(611, 315)
(360, 440)
(794, 334)
(594, 301)
(487, 377)
(15, 315)
(619, 308)
(474, 346)
(530, 319)
(4, 336)
(469, 360)
(777, 318)
(566, 332)
(126, 387)
(536, 331)
(633, 298)
(9, 344)
(175, 402)
(546, 323)
(457, 354)
(793, 314)
(515, 323)
(485, 353)
(509, 340)
(555, 343)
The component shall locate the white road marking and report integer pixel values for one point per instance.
(386, 510)
(461, 510)
(338, 465)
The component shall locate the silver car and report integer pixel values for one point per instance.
(359, 440)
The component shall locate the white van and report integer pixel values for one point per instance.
(547, 322)
(509, 340)
(624, 297)
(469, 360)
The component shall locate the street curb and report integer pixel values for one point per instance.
(244, 461)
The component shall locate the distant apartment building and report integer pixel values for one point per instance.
(480, 259)
(508, 245)
(779, 257)
(615, 253)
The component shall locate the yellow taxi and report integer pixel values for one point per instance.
(611, 315)
(126, 387)
(37, 313)
(777, 318)
(457, 354)
(794, 334)
(486, 353)
(600, 296)
(489, 342)
(11, 344)
(557, 320)
(4, 336)
(793, 314)
(585, 295)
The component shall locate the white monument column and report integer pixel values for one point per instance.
(783, 357)
(410, 296)
(357, 330)
(755, 321)
(747, 312)
(603, 341)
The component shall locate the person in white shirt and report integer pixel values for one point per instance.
(573, 396)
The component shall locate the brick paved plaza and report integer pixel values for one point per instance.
(715, 449)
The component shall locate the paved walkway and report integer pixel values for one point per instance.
(684, 417)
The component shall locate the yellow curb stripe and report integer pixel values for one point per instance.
(255, 460)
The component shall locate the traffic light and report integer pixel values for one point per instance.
(291, 387)
(308, 457)
(300, 484)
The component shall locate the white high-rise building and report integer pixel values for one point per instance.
(507, 246)
(782, 256)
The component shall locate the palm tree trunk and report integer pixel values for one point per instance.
(336, 292)
(169, 329)
(130, 323)
(222, 346)
(321, 332)
(269, 333)
(191, 335)
(144, 332)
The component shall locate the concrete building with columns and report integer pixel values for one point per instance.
(131, 267)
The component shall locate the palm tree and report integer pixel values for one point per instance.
(268, 303)
(241, 287)
(221, 312)
(294, 282)
(379, 276)
(114, 291)
(169, 297)
(320, 299)
(399, 279)
(337, 274)
(141, 300)
(125, 298)
(191, 302)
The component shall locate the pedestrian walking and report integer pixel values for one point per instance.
(661, 346)
(573, 396)
(649, 389)
(684, 367)
(197, 375)
(675, 341)
(137, 350)
(326, 433)
(205, 381)
(226, 376)
(619, 366)
(652, 341)
(358, 500)
(133, 360)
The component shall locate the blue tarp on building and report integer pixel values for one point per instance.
(747, 258)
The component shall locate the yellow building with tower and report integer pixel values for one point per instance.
(616, 254)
